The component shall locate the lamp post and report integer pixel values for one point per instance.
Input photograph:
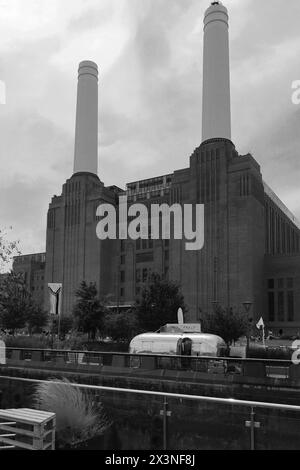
(247, 306)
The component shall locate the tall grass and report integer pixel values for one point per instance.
(78, 416)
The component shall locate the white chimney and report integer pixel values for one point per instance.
(216, 115)
(86, 133)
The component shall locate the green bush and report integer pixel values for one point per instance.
(270, 352)
(102, 346)
(75, 342)
(30, 342)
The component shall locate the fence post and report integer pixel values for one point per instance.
(252, 424)
(165, 414)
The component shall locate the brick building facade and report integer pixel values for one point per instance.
(33, 269)
(250, 239)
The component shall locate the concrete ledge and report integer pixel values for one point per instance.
(118, 361)
(244, 380)
(148, 363)
(171, 374)
(115, 370)
(16, 363)
(186, 375)
(148, 373)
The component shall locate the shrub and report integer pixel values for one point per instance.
(269, 352)
(78, 416)
(31, 342)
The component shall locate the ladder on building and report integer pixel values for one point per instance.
(26, 428)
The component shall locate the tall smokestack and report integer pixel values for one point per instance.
(216, 115)
(86, 133)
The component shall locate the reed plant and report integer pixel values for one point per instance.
(80, 416)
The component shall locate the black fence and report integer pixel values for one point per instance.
(101, 361)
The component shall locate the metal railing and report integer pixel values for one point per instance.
(165, 413)
(253, 367)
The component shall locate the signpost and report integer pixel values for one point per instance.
(55, 293)
(261, 325)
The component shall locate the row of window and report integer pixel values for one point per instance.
(143, 244)
(281, 236)
(141, 275)
(281, 283)
(281, 299)
(281, 306)
(146, 257)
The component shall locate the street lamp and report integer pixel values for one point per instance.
(247, 306)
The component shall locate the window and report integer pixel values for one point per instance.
(166, 255)
(290, 305)
(271, 284)
(138, 275)
(122, 292)
(138, 244)
(144, 244)
(281, 306)
(290, 283)
(144, 257)
(122, 245)
(271, 306)
(145, 274)
(280, 283)
(123, 259)
(122, 276)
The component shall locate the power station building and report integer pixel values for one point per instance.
(251, 247)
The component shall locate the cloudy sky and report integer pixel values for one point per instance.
(149, 53)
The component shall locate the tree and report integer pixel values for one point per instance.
(227, 323)
(36, 318)
(7, 250)
(121, 326)
(88, 311)
(15, 302)
(159, 304)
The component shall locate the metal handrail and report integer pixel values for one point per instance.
(225, 401)
(171, 356)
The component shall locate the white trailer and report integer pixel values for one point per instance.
(182, 344)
